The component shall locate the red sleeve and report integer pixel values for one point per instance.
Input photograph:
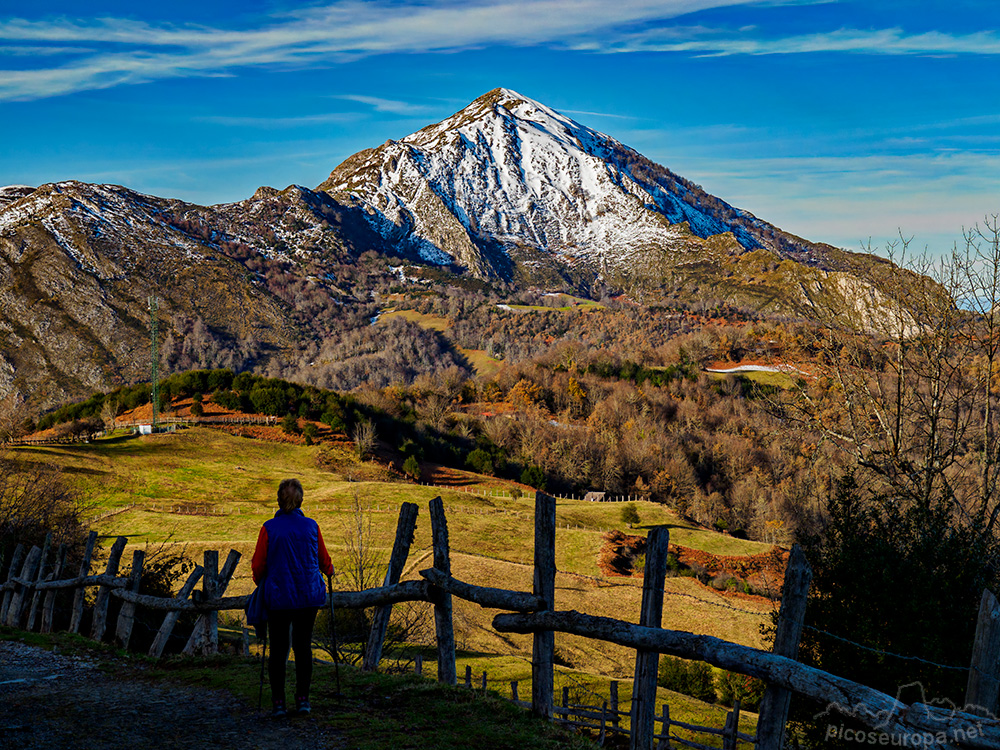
(259, 563)
(325, 563)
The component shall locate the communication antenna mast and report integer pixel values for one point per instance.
(154, 360)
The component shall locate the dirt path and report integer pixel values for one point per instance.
(51, 700)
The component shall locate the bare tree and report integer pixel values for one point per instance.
(14, 415)
(980, 273)
(34, 500)
(364, 438)
(908, 382)
(110, 410)
(364, 567)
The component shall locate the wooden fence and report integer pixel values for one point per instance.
(28, 602)
(606, 719)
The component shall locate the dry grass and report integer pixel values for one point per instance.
(490, 538)
(481, 361)
(424, 320)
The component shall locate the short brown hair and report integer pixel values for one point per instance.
(290, 494)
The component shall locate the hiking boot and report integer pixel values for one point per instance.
(278, 710)
(302, 706)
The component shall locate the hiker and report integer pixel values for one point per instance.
(288, 565)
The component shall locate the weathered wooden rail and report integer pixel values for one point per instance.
(34, 579)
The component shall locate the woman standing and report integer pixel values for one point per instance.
(288, 564)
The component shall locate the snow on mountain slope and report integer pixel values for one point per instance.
(106, 229)
(510, 174)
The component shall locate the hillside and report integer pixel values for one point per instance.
(504, 197)
(166, 488)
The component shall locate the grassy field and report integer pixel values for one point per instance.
(564, 303)
(424, 320)
(776, 379)
(482, 363)
(481, 360)
(206, 489)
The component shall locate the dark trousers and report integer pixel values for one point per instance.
(299, 624)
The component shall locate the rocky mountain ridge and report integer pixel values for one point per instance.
(506, 191)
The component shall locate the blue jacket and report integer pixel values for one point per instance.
(294, 578)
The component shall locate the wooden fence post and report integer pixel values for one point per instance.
(18, 600)
(80, 594)
(468, 676)
(15, 564)
(664, 743)
(205, 637)
(983, 688)
(565, 697)
(418, 664)
(170, 619)
(647, 662)
(613, 698)
(104, 592)
(774, 705)
(48, 608)
(400, 551)
(37, 596)
(443, 624)
(544, 585)
(126, 617)
(729, 738)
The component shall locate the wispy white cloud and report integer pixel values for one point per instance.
(281, 122)
(40, 50)
(126, 51)
(844, 200)
(391, 106)
(596, 114)
(863, 41)
(137, 52)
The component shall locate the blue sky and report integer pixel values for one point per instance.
(839, 121)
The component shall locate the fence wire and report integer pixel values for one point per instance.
(882, 652)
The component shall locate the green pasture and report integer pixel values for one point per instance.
(481, 361)
(565, 303)
(205, 486)
(205, 489)
(424, 320)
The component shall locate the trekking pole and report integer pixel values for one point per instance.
(333, 630)
(263, 663)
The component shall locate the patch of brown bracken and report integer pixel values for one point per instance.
(764, 571)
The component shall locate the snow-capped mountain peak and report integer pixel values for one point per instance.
(508, 181)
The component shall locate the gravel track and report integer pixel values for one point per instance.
(53, 701)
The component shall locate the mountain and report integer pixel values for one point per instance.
(78, 264)
(510, 189)
(505, 192)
